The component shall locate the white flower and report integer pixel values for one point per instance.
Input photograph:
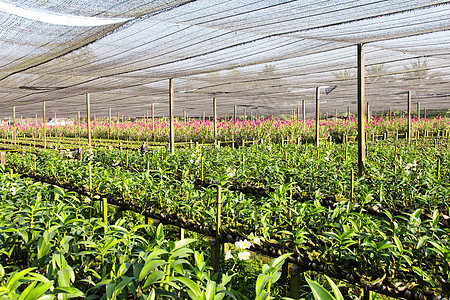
(231, 173)
(13, 190)
(115, 163)
(257, 240)
(241, 245)
(228, 255)
(326, 158)
(244, 255)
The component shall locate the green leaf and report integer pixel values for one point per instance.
(153, 278)
(71, 291)
(337, 293)
(190, 284)
(149, 267)
(318, 291)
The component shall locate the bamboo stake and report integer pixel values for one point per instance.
(109, 123)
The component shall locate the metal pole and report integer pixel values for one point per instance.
(409, 117)
(304, 110)
(235, 113)
(215, 118)
(171, 113)
(317, 117)
(361, 114)
(45, 128)
(14, 122)
(368, 112)
(109, 121)
(153, 116)
(88, 108)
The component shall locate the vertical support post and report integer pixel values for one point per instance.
(215, 118)
(368, 112)
(171, 113)
(298, 112)
(348, 112)
(418, 110)
(390, 113)
(153, 116)
(295, 271)
(304, 110)
(317, 117)
(184, 115)
(245, 113)
(335, 115)
(361, 114)
(215, 246)
(43, 122)
(109, 123)
(409, 116)
(235, 113)
(79, 125)
(88, 109)
(204, 116)
(425, 112)
(36, 120)
(14, 122)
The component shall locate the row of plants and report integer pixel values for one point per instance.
(397, 177)
(274, 128)
(401, 252)
(55, 246)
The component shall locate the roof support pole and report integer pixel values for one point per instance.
(361, 114)
(409, 116)
(335, 115)
(304, 112)
(153, 116)
(88, 110)
(235, 113)
(317, 116)
(368, 112)
(43, 122)
(298, 112)
(14, 122)
(418, 110)
(172, 117)
(215, 118)
(109, 123)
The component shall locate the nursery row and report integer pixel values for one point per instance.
(402, 252)
(265, 128)
(54, 246)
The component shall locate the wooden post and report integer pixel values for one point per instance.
(348, 112)
(109, 123)
(418, 110)
(390, 113)
(245, 113)
(317, 117)
(409, 116)
(361, 114)
(204, 116)
(45, 128)
(118, 117)
(36, 120)
(425, 113)
(184, 115)
(335, 115)
(88, 109)
(368, 112)
(235, 113)
(215, 118)
(298, 112)
(79, 125)
(171, 113)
